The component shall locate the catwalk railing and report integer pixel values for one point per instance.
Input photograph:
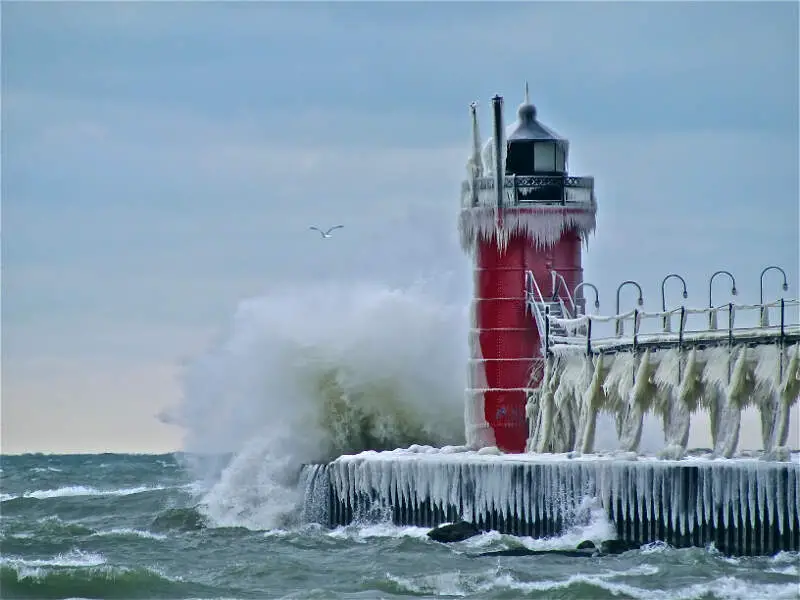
(752, 324)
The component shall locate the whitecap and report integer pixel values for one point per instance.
(128, 532)
(73, 558)
(82, 490)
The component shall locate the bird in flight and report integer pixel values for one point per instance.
(326, 234)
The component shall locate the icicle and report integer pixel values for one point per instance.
(662, 495)
(541, 441)
(741, 495)
(638, 402)
(570, 386)
(617, 385)
(591, 401)
(543, 225)
(541, 485)
(789, 394)
(767, 375)
(751, 494)
(713, 319)
(792, 500)
(615, 485)
(729, 497)
(796, 492)
(699, 510)
(762, 495)
(675, 500)
(715, 379)
(478, 432)
(474, 165)
(677, 400)
(769, 475)
(724, 494)
(737, 393)
(709, 507)
(780, 500)
(643, 484)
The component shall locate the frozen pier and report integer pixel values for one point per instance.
(743, 506)
(672, 364)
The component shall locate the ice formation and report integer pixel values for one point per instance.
(477, 431)
(680, 495)
(543, 225)
(672, 383)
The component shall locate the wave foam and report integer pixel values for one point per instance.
(309, 373)
(461, 584)
(79, 490)
(73, 558)
(128, 532)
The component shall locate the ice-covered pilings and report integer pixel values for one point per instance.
(673, 383)
(742, 506)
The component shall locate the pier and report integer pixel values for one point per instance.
(742, 503)
(741, 506)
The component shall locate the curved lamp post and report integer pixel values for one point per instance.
(591, 285)
(666, 318)
(784, 287)
(712, 324)
(640, 302)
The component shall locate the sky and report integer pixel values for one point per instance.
(163, 161)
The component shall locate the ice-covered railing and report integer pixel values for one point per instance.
(729, 322)
(559, 283)
(534, 302)
(525, 189)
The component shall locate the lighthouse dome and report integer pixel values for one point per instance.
(533, 148)
(527, 139)
(527, 128)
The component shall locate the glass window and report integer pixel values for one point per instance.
(544, 157)
(561, 160)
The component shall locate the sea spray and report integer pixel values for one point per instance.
(307, 373)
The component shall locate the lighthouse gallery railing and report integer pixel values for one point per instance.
(522, 189)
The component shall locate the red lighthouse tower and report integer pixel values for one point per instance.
(520, 211)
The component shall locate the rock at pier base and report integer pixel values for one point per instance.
(454, 532)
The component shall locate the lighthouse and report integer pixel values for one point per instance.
(521, 212)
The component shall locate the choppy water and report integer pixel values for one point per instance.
(122, 526)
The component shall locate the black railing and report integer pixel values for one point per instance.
(522, 189)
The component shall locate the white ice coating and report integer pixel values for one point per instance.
(478, 432)
(542, 225)
(674, 384)
(777, 388)
(678, 381)
(482, 484)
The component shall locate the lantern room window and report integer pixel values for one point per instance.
(561, 159)
(544, 157)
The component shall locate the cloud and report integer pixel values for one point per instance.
(641, 66)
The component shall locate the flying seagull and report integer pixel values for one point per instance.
(326, 234)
